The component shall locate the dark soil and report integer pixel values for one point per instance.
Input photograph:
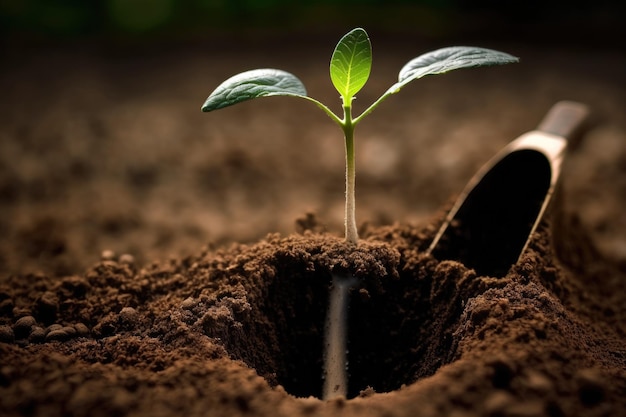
(157, 261)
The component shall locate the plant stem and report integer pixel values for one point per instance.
(392, 90)
(335, 355)
(347, 125)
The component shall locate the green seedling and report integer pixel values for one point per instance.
(350, 67)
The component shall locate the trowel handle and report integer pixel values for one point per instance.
(564, 118)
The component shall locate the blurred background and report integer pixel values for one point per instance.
(103, 145)
(597, 23)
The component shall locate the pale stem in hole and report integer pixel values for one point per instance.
(335, 355)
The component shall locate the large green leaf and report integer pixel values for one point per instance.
(252, 84)
(351, 63)
(449, 59)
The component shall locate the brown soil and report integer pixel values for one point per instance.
(159, 261)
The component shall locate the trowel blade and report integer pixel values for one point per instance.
(494, 217)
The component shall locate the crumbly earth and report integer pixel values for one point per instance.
(150, 264)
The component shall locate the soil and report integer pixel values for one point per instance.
(160, 261)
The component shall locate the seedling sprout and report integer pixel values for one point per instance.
(350, 67)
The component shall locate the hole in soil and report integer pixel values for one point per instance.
(296, 306)
(400, 328)
(492, 226)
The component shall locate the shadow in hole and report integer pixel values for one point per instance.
(400, 328)
(296, 308)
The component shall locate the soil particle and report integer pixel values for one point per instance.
(107, 255)
(129, 316)
(538, 382)
(127, 259)
(23, 326)
(47, 307)
(498, 402)
(37, 334)
(60, 335)
(6, 334)
(81, 330)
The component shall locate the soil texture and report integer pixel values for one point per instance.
(157, 261)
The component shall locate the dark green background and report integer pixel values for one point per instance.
(597, 22)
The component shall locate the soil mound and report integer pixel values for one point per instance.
(240, 330)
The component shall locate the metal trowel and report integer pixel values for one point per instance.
(490, 225)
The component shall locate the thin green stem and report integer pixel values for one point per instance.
(389, 92)
(325, 109)
(347, 125)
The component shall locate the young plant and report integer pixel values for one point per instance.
(350, 67)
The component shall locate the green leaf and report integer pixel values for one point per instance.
(449, 59)
(351, 63)
(252, 84)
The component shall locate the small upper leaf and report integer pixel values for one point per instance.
(252, 84)
(449, 59)
(351, 63)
